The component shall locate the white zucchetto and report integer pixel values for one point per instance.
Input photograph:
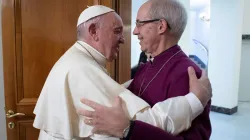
(93, 11)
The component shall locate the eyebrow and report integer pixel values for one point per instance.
(118, 27)
(140, 20)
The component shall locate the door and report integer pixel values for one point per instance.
(35, 34)
(123, 68)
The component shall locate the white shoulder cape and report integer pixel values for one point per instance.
(76, 75)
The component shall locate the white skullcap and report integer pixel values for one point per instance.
(93, 11)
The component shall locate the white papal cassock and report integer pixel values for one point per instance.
(80, 73)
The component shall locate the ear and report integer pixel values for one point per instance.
(93, 32)
(163, 26)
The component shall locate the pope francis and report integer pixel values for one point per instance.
(80, 73)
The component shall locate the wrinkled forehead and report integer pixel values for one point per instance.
(117, 21)
(143, 11)
(114, 20)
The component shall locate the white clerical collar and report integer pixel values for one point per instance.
(150, 59)
(93, 52)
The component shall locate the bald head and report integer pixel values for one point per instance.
(159, 25)
(170, 10)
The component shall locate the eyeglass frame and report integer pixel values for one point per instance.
(148, 21)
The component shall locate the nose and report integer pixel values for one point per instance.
(136, 31)
(122, 39)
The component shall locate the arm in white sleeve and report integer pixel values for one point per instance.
(173, 115)
(195, 104)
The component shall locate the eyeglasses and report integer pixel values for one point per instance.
(139, 23)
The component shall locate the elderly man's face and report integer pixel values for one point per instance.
(146, 29)
(111, 35)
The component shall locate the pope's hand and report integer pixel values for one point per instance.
(200, 87)
(106, 120)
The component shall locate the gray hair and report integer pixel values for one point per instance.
(173, 12)
(82, 29)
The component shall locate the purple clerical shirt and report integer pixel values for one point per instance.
(171, 81)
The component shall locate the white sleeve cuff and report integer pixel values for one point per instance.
(195, 104)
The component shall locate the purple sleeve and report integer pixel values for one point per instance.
(200, 128)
